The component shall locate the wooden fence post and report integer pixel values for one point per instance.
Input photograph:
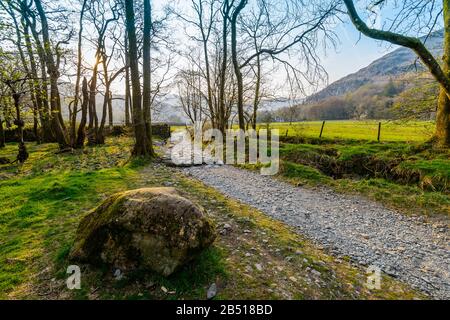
(321, 130)
(379, 131)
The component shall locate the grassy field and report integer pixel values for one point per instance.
(44, 200)
(411, 131)
(418, 131)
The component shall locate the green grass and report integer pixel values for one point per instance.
(359, 130)
(356, 130)
(413, 177)
(302, 173)
(40, 205)
(44, 200)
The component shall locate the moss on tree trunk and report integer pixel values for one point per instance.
(443, 114)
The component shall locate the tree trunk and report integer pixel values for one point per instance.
(2, 134)
(40, 87)
(110, 110)
(100, 137)
(35, 121)
(55, 100)
(93, 118)
(257, 91)
(127, 98)
(146, 93)
(22, 156)
(73, 119)
(101, 130)
(81, 135)
(141, 143)
(127, 85)
(28, 72)
(208, 81)
(221, 118)
(443, 114)
(237, 68)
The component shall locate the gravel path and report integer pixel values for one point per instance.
(415, 251)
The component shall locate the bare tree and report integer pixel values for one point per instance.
(191, 96)
(30, 75)
(15, 80)
(103, 18)
(205, 12)
(52, 59)
(293, 29)
(81, 135)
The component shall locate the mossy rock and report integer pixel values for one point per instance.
(152, 228)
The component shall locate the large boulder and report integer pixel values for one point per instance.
(155, 228)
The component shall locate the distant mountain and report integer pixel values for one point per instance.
(275, 104)
(392, 65)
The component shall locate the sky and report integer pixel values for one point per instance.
(352, 53)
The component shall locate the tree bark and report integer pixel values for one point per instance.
(93, 118)
(2, 134)
(81, 135)
(443, 113)
(257, 91)
(127, 98)
(100, 137)
(127, 85)
(101, 129)
(41, 91)
(30, 75)
(110, 111)
(19, 122)
(55, 100)
(22, 156)
(222, 119)
(146, 93)
(141, 143)
(237, 68)
(73, 120)
(205, 38)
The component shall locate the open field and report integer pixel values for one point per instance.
(411, 131)
(418, 131)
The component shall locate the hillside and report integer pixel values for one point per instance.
(393, 65)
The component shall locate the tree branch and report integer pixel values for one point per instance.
(409, 42)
